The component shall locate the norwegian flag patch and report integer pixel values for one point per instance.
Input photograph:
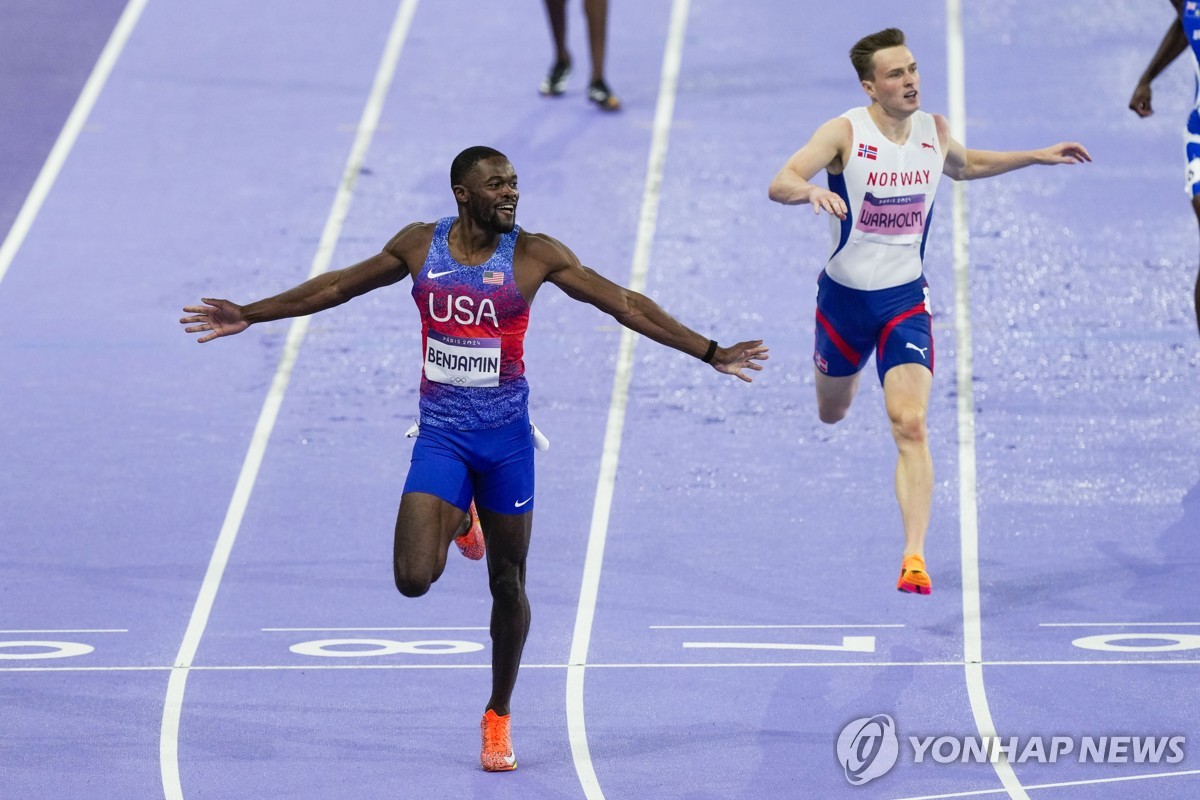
(868, 151)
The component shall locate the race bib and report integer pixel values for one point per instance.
(461, 361)
(902, 217)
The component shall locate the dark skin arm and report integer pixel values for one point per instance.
(537, 259)
(217, 318)
(541, 259)
(1173, 43)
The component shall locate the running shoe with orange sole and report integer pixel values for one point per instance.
(470, 544)
(600, 94)
(497, 753)
(913, 577)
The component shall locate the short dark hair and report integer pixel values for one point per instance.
(465, 161)
(862, 55)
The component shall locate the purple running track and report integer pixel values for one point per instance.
(209, 166)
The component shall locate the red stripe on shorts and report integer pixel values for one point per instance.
(848, 352)
(896, 320)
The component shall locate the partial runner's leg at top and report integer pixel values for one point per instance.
(555, 82)
(599, 92)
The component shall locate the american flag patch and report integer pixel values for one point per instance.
(493, 278)
(868, 151)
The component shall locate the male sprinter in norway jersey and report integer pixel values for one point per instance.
(1183, 34)
(883, 162)
(474, 278)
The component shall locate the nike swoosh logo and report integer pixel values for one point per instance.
(432, 274)
(520, 503)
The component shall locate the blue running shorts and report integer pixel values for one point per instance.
(894, 322)
(494, 465)
(1191, 147)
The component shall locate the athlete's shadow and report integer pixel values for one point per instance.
(1182, 535)
(1180, 549)
(1169, 579)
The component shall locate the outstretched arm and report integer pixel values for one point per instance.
(1173, 43)
(217, 318)
(965, 165)
(826, 149)
(641, 314)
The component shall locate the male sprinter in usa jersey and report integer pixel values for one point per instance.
(474, 278)
(883, 162)
(1183, 34)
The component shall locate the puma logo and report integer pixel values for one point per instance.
(927, 144)
(921, 350)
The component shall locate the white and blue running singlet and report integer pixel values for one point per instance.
(872, 295)
(1190, 18)
(889, 190)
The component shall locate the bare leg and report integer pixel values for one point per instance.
(425, 526)
(1197, 301)
(556, 12)
(597, 22)
(906, 395)
(507, 539)
(834, 395)
(1196, 208)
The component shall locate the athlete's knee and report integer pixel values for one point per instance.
(830, 413)
(508, 587)
(908, 424)
(833, 409)
(413, 581)
(411, 585)
(834, 396)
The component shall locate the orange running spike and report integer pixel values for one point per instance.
(470, 544)
(497, 753)
(913, 577)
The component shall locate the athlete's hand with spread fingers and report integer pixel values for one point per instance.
(831, 202)
(217, 317)
(741, 356)
(1065, 153)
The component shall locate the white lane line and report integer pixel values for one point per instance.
(644, 665)
(74, 630)
(69, 134)
(1093, 782)
(1118, 624)
(967, 476)
(762, 627)
(601, 507)
(173, 706)
(850, 644)
(321, 630)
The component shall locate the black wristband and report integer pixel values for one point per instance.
(712, 351)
